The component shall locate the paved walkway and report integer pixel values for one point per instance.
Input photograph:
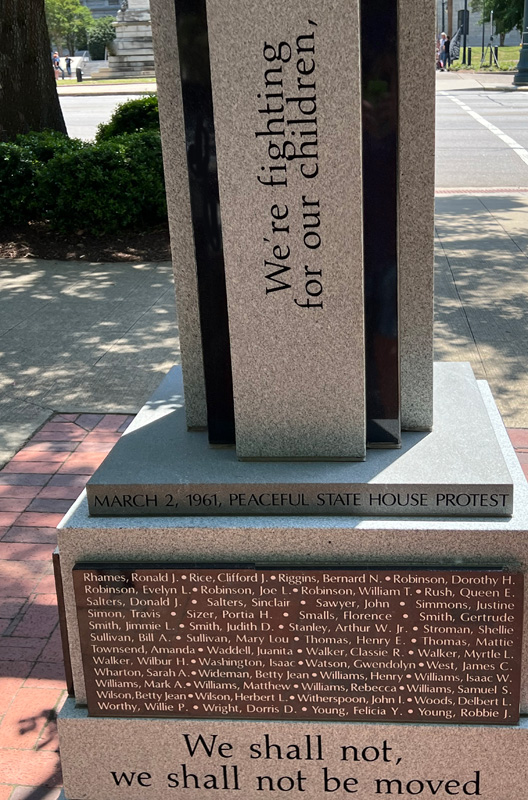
(482, 81)
(97, 338)
(36, 488)
(70, 89)
(80, 337)
(445, 81)
(481, 293)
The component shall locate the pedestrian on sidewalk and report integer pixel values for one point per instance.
(447, 59)
(57, 65)
(441, 51)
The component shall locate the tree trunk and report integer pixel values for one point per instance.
(450, 18)
(70, 44)
(28, 92)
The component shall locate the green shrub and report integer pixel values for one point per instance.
(17, 184)
(44, 145)
(105, 187)
(144, 151)
(134, 116)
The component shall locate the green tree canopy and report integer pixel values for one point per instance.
(68, 21)
(507, 14)
(100, 33)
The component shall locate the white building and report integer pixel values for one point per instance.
(102, 8)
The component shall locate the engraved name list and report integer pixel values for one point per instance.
(239, 642)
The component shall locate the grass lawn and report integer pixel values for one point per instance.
(508, 60)
(106, 81)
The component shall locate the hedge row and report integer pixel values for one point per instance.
(102, 187)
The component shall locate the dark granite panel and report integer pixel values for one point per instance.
(379, 64)
(193, 48)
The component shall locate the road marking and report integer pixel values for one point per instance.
(515, 146)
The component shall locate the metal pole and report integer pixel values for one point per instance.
(443, 17)
(521, 78)
(465, 34)
(483, 39)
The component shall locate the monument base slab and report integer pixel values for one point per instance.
(160, 468)
(138, 758)
(300, 542)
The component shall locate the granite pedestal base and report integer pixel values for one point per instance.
(436, 760)
(482, 542)
(107, 759)
(159, 467)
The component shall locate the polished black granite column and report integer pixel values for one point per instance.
(379, 64)
(193, 46)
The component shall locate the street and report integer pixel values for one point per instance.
(481, 137)
(83, 114)
(482, 140)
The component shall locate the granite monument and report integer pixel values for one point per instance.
(301, 568)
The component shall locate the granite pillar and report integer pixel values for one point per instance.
(416, 211)
(287, 121)
(179, 209)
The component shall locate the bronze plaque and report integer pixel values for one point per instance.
(428, 645)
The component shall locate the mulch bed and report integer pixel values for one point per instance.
(37, 240)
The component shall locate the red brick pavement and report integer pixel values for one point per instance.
(36, 488)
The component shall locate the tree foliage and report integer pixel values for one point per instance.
(28, 92)
(100, 33)
(507, 14)
(68, 21)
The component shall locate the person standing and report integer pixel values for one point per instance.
(447, 45)
(442, 50)
(68, 62)
(57, 65)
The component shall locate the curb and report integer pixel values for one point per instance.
(117, 93)
(483, 89)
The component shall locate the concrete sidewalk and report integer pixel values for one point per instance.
(97, 338)
(481, 293)
(80, 337)
(445, 81)
(70, 89)
(481, 81)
